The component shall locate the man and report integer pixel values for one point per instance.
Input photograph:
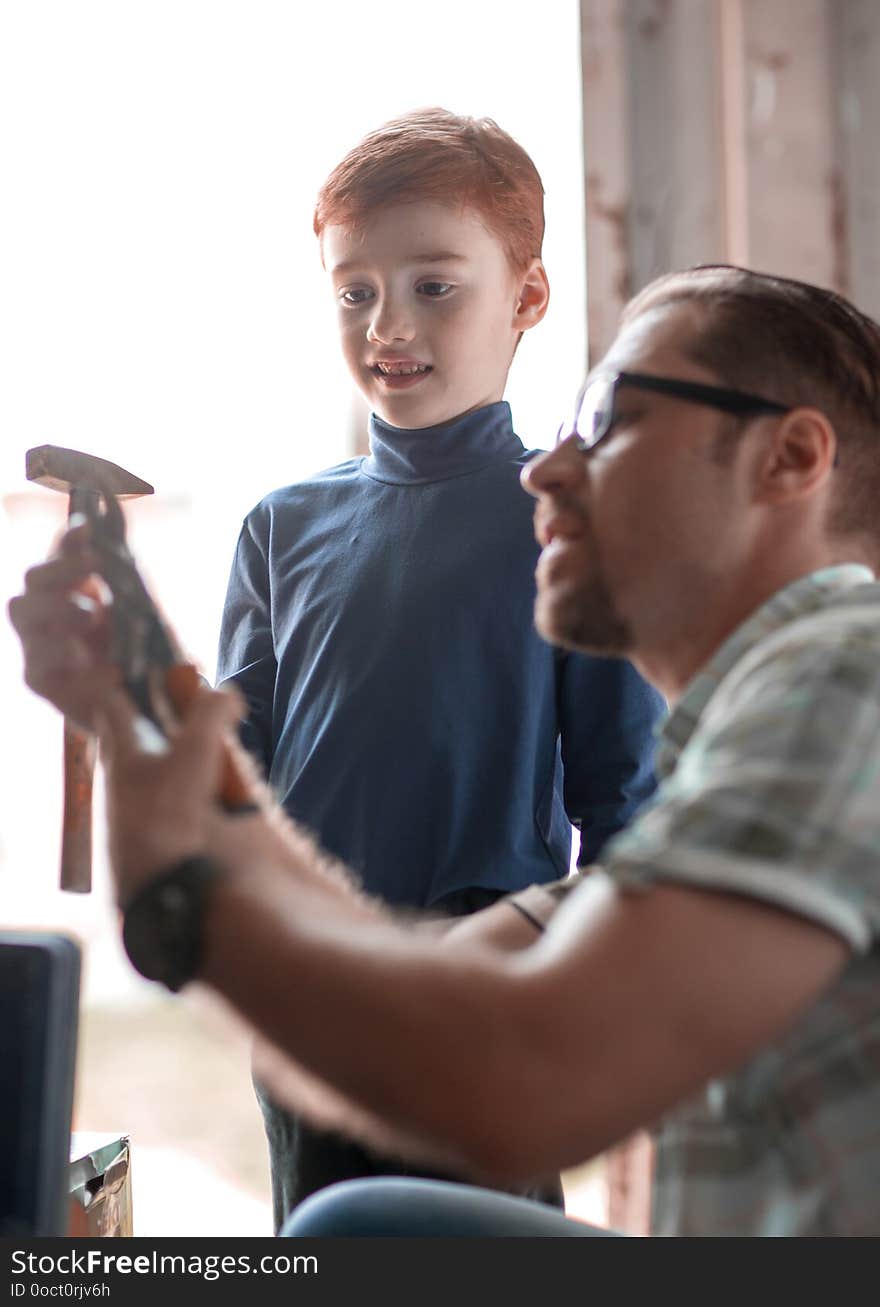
(711, 515)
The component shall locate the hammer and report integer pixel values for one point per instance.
(85, 478)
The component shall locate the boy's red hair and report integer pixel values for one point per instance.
(432, 154)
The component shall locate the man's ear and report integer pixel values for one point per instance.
(801, 457)
(533, 296)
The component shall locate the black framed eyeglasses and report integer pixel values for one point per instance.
(594, 411)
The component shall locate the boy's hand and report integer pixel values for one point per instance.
(62, 622)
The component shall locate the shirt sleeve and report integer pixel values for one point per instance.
(246, 648)
(776, 795)
(608, 717)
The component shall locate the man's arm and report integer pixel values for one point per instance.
(628, 1002)
(517, 1063)
(505, 1063)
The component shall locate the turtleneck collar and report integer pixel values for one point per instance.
(404, 457)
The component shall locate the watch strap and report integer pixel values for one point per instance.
(163, 924)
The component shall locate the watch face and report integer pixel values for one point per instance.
(162, 926)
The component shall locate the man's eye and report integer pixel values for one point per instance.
(357, 295)
(622, 418)
(613, 424)
(435, 289)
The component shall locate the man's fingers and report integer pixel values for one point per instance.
(199, 746)
(64, 571)
(59, 600)
(74, 538)
(115, 724)
(193, 756)
(50, 614)
(62, 657)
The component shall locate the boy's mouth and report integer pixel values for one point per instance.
(398, 374)
(389, 369)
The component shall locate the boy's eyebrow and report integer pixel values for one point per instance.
(442, 256)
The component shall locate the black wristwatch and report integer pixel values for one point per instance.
(163, 925)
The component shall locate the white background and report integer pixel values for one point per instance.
(162, 303)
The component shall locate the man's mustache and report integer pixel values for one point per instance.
(560, 518)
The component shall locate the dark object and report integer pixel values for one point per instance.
(153, 668)
(595, 408)
(304, 1159)
(39, 1003)
(72, 472)
(163, 925)
(100, 1187)
(84, 477)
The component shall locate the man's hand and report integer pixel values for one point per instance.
(62, 621)
(162, 793)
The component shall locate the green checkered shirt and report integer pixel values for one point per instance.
(770, 787)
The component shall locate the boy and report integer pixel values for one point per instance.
(379, 614)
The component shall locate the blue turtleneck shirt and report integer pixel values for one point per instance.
(379, 623)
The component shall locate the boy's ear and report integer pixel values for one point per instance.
(533, 296)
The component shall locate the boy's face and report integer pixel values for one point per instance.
(429, 310)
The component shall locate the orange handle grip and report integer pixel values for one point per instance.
(182, 683)
(76, 829)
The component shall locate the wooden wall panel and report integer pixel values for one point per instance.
(855, 62)
(789, 139)
(741, 131)
(676, 164)
(730, 130)
(604, 60)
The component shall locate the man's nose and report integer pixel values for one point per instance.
(391, 321)
(561, 468)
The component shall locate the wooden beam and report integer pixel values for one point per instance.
(855, 79)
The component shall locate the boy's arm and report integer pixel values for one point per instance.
(246, 653)
(607, 718)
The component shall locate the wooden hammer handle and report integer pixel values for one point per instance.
(182, 682)
(76, 829)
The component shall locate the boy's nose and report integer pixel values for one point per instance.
(561, 468)
(390, 322)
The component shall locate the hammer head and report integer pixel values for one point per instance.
(69, 470)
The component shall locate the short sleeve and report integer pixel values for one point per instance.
(777, 794)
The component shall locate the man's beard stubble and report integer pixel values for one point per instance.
(585, 623)
(584, 619)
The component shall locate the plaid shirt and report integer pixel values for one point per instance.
(770, 787)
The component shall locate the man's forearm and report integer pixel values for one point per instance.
(271, 840)
(405, 1026)
(462, 1045)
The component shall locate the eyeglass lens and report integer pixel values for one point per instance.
(595, 411)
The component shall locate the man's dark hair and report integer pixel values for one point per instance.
(799, 345)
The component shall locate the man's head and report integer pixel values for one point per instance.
(431, 231)
(690, 512)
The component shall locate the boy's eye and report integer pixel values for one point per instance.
(356, 295)
(435, 289)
